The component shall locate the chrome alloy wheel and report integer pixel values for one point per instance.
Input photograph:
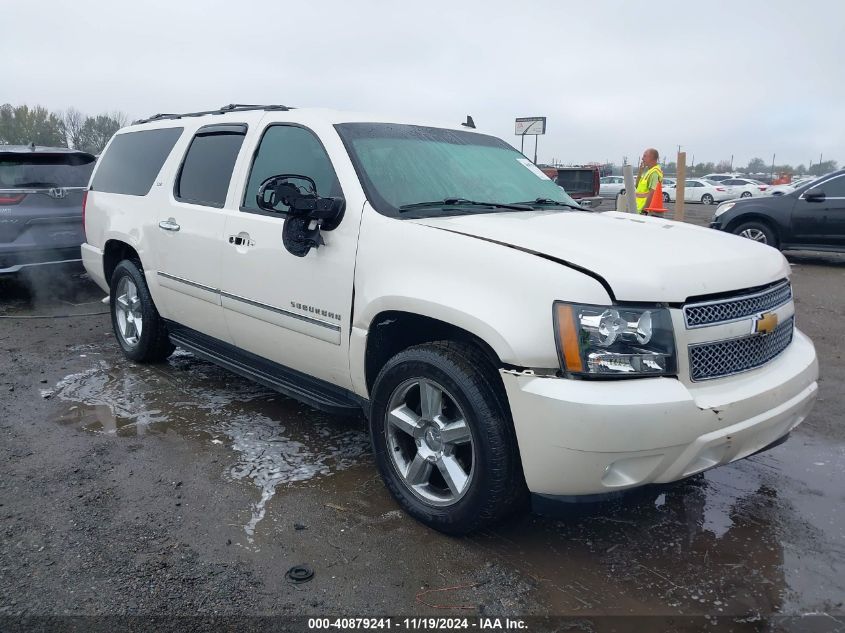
(128, 311)
(754, 234)
(430, 442)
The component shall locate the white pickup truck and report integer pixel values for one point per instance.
(499, 339)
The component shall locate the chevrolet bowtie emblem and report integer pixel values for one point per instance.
(766, 323)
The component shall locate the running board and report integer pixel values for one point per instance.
(307, 389)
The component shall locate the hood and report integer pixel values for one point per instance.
(641, 258)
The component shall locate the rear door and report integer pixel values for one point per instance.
(821, 223)
(189, 236)
(41, 206)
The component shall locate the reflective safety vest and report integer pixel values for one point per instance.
(642, 186)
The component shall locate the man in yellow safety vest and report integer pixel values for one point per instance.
(648, 180)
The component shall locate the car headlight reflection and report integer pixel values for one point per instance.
(725, 206)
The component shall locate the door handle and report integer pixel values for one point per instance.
(242, 239)
(169, 225)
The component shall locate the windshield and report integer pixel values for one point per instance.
(20, 171)
(401, 165)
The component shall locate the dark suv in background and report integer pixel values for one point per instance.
(41, 199)
(810, 218)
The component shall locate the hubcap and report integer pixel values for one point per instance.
(127, 310)
(429, 442)
(755, 234)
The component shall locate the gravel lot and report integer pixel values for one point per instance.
(181, 489)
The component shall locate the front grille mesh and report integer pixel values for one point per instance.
(723, 358)
(698, 315)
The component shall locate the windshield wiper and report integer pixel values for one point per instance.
(544, 202)
(463, 202)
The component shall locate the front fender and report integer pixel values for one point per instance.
(502, 295)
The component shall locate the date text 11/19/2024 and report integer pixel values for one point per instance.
(417, 624)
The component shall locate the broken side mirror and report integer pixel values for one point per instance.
(306, 212)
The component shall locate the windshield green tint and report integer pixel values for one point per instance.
(401, 165)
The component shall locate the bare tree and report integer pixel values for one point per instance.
(74, 123)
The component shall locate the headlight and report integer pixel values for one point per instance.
(615, 340)
(722, 208)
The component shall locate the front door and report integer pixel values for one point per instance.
(821, 223)
(295, 311)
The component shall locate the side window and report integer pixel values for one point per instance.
(834, 188)
(288, 149)
(133, 160)
(207, 168)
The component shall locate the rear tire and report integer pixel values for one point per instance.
(140, 331)
(454, 478)
(745, 194)
(666, 197)
(706, 199)
(757, 232)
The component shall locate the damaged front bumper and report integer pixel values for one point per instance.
(579, 437)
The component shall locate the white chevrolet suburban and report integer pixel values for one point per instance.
(500, 340)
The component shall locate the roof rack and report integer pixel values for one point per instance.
(232, 107)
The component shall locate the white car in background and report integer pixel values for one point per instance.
(780, 190)
(745, 187)
(719, 177)
(611, 186)
(700, 190)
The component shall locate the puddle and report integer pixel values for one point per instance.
(763, 536)
(276, 440)
(760, 537)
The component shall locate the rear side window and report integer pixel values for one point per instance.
(287, 149)
(42, 170)
(133, 160)
(575, 181)
(207, 169)
(834, 188)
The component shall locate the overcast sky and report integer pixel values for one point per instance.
(742, 78)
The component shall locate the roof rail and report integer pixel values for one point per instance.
(232, 107)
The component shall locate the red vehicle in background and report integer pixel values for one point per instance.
(581, 183)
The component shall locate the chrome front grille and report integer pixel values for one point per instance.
(724, 358)
(736, 308)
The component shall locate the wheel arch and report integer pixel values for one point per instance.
(753, 217)
(115, 251)
(391, 331)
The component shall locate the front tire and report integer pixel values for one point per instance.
(757, 232)
(443, 439)
(745, 194)
(706, 199)
(666, 197)
(140, 331)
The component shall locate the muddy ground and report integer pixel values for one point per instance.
(181, 489)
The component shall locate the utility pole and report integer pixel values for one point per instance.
(773, 167)
(732, 163)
